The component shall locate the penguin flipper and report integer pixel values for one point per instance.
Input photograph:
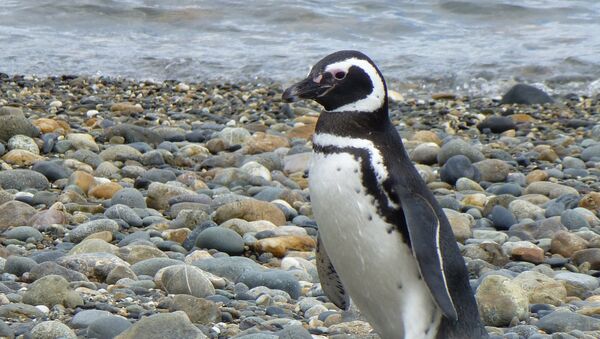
(330, 281)
(423, 226)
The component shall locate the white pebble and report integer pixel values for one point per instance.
(91, 113)
(43, 308)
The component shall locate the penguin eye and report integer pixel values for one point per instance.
(339, 75)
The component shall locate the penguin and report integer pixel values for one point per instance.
(384, 242)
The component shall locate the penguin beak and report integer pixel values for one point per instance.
(305, 89)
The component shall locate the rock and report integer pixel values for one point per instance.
(46, 125)
(355, 328)
(199, 310)
(126, 108)
(56, 214)
(51, 268)
(221, 239)
(261, 142)
(107, 327)
(296, 162)
(573, 220)
(591, 153)
(541, 289)
(6, 331)
(120, 272)
(95, 266)
(250, 210)
(228, 267)
(495, 236)
(424, 136)
(15, 213)
(125, 213)
(5, 196)
(184, 279)
(465, 184)
(53, 170)
(493, 170)
(105, 190)
(591, 201)
(14, 122)
(134, 253)
(456, 167)
(16, 310)
(84, 318)
(189, 218)
(46, 198)
(255, 169)
(51, 290)
(83, 141)
(121, 153)
(234, 136)
(425, 153)
(525, 94)
(497, 124)
(93, 246)
(242, 227)
(177, 235)
(302, 131)
(458, 147)
(82, 180)
(577, 284)
(523, 209)
(503, 219)
(19, 157)
(500, 300)
(565, 243)
(18, 265)
(90, 227)
(159, 194)
(153, 265)
(561, 321)
(21, 179)
(590, 255)
(160, 326)
(273, 279)
(51, 330)
(23, 233)
(294, 332)
(107, 169)
(130, 197)
(23, 142)
(549, 189)
(461, 224)
(133, 133)
(524, 251)
(487, 251)
(279, 246)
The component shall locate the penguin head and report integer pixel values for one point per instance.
(345, 81)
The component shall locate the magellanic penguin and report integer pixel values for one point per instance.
(383, 238)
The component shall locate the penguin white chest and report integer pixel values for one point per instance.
(375, 265)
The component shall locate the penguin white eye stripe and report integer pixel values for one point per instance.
(375, 99)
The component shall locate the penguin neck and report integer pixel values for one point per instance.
(354, 124)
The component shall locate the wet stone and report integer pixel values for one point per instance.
(107, 327)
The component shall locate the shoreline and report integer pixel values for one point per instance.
(477, 86)
(115, 192)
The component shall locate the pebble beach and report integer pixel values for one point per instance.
(135, 209)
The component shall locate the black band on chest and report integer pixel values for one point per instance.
(372, 187)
